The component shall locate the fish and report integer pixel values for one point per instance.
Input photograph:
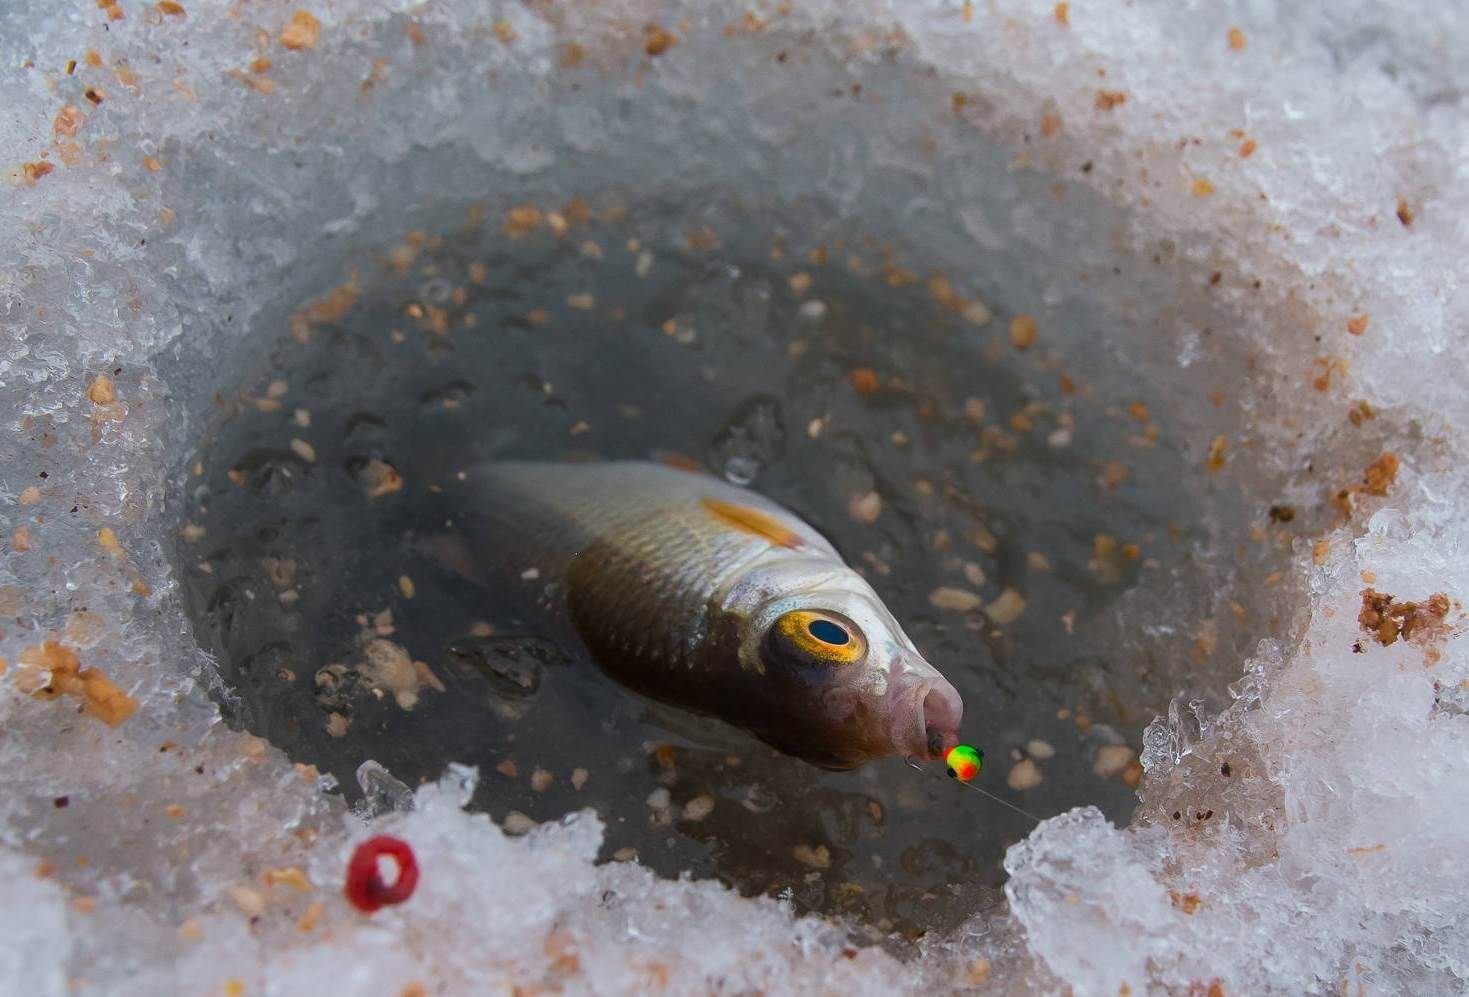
(710, 597)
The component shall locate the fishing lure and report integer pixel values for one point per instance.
(963, 763)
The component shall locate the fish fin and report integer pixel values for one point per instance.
(451, 550)
(756, 522)
(680, 461)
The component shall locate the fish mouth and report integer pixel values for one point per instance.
(925, 715)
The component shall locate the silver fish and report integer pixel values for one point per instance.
(710, 597)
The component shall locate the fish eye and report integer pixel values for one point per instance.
(807, 637)
(829, 632)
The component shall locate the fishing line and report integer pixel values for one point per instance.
(969, 785)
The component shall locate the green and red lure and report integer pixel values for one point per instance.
(963, 764)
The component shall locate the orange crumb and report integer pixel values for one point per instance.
(290, 875)
(864, 380)
(20, 540)
(68, 120)
(1319, 550)
(152, 164)
(504, 31)
(1357, 324)
(51, 669)
(1062, 13)
(1236, 39)
(1217, 448)
(170, 8)
(31, 172)
(109, 542)
(1247, 148)
(1022, 332)
(1202, 187)
(1050, 125)
(572, 55)
(658, 41)
(1381, 474)
(522, 220)
(1186, 902)
(1108, 99)
(301, 32)
(1405, 212)
(1138, 411)
(310, 917)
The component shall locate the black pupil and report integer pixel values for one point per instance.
(828, 632)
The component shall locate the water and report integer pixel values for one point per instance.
(948, 465)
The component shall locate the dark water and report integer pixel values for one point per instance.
(476, 345)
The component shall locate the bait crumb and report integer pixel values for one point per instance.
(290, 875)
(508, 769)
(979, 969)
(248, 900)
(1024, 774)
(1217, 449)
(625, 855)
(1357, 324)
(540, 780)
(864, 380)
(1007, 608)
(522, 220)
(1405, 212)
(30, 496)
(698, 808)
(303, 450)
(1022, 332)
(1236, 40)
(800, 283)
(1040, 749)
(818, 857)
(1387, 619)
(658, 41)
(405, 586)
(301, 32)
(865, 508)
(517, 823)
(579, 778)
(309, 918)
(1109, 99)
(379, 478)
(51, 669)
(954, 599)
(1186, 902)
(1379, 476)
(1112, 760)
(101, 391)
(336, 725)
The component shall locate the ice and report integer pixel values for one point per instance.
(1260, 232)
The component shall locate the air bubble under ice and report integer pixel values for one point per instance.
(1258, 206)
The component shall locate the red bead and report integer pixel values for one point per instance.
(365, 888)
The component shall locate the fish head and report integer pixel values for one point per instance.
(843, 684)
